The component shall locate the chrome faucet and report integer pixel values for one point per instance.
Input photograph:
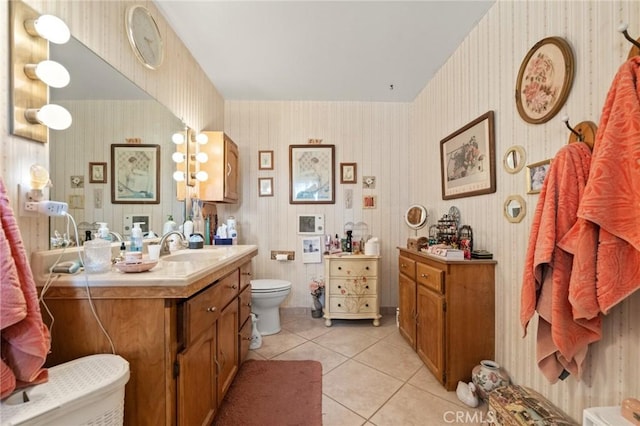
(164, 244)
(116, 236)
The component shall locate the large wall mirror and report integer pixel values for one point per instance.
(107, 109)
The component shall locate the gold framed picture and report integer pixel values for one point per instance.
(97, 172)
(536, 174)
(265, 187)
(265, 160)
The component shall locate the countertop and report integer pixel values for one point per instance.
(168, 279)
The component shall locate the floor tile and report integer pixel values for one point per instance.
(358, 387)
(396, 361)
(335, 414)
(347, 341)
(311, 350)
(306, 327)
(275, 344)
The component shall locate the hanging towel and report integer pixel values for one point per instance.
(605, 240)
(25, 339)
(561, 341)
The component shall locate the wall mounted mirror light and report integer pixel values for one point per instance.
(515, 208)
(33, 73)
(514, 159)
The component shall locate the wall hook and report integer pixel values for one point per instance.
(623, 29)
(565, 118)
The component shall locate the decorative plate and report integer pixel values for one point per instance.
(143, 266)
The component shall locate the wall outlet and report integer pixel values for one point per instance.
(291, 255)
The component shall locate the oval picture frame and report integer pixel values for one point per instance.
(544, 80)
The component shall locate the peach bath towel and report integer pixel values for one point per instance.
(561, 341)
(605, 241)
(25, 339)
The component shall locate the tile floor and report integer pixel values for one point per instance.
(371, 376)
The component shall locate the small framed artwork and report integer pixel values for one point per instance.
(536, 174)
(97, 172)
(369, 182)
(77, 181)
(265, 187)
(544, 80)
(348, 173)
(312, 174)
(265, 160)
(311, 250)
(369, 202)
(467, 160)
(135, 174)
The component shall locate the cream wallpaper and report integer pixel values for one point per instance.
(399, 144)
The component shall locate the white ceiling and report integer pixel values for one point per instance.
(322, 50)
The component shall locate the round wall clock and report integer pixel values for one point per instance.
(144, 36)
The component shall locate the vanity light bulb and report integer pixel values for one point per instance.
(177, 157)
(177, 138)
(50, 28)
(202, 139)
(202, 157)
(178, 176)
(201, 176)
(49, 72)
(53, 116)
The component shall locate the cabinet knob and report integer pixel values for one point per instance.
(424, 275)
(233, 286)
(339, 305)
(249, 304)
(367, 268)
(366, 304)
(246, 273)
(339, 268)
(211, 309)
(339, 286)
(402, 265)
(366, 286)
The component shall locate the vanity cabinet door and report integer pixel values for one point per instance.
(227, 353)
(407, 305)
(431, 323)
(232, 177)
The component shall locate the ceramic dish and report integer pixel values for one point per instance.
(143, 266)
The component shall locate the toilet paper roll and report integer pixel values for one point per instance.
(281, 257)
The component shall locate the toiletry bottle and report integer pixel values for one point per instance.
(136, 237)
(103, 231)
(87, 235)
(198, 220)
(349, 241)
(123, 249)
(169, 225)
(207, 230)
(187, 228)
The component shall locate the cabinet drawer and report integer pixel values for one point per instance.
(430, 277)
(245, 275)
(245, 304)
(352, 305)
(407, 267)
(355, 268)
(350, 287)
(201, 312)
(229, 286)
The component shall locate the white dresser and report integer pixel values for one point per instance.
(352, 288)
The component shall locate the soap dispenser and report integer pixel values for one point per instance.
(103, 231)
(136, 237)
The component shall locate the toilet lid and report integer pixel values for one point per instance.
(270, 285)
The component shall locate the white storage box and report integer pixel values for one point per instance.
(85, 391)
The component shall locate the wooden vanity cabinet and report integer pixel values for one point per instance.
(222, 167)
(183, 352)
(450, 307)
(244, 321)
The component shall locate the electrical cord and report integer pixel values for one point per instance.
(50, 280)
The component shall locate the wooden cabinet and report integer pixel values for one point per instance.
(351, 288)
(447, 311)
(244, 322)
(222, 167)
(182, 344)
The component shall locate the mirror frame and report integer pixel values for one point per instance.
(523, 209)
(424, 215)
(519, 150)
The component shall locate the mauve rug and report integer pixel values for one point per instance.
(274, 393)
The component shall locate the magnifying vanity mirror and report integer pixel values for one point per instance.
(515, 208)
(416, 217)
(514, 159)
(107, 109)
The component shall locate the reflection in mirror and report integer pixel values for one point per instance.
(107, 109)
(515, 208)
(514, 159)
(416, 217)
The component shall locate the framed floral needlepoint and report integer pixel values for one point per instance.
(544, 80)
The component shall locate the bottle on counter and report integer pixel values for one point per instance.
(136, 237)
(349, 246)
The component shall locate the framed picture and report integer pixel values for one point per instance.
(467, 160)
(97, 172)
(369, 182)
(544, 80)
(536, 173)
(265, 187)
(348, 173)
(369, 202)
(265, 160)
(135, 174)
(311, 174)
(311, 250)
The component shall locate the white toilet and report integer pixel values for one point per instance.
(266, 297)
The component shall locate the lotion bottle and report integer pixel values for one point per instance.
(136, 237)
(103, 231)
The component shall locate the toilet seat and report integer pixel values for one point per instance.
(269, 286)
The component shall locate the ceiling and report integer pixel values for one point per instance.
(374, 51)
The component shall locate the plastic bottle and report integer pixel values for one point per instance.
(136, 237)
(103, 231)
(349, 241)
(187, 228)
(169, 225)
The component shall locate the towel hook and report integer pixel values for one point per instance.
(623, 29)
(565, 118)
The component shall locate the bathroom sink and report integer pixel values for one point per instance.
(195, 255)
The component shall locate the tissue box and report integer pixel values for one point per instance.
(225, 241)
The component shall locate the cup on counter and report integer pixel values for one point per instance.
(154, 251)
